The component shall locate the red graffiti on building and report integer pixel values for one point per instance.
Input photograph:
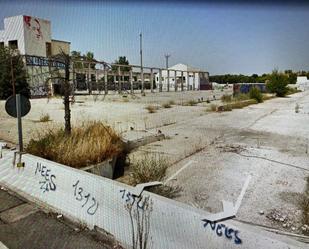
(34, 25)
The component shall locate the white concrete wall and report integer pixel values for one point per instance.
(37, 33)
(100, 201)
(31, 34)
(14, 30)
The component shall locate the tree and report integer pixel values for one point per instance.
(12, 74)
(122, 60)
(277, 83)
(65, 59)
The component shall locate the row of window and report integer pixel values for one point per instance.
(12, 44)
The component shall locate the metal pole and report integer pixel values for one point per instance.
(176, 86)
(105, 79)
(131, 81)
(119, 81)
(168, 80)
(188, 81)
(182, 81)
(19, 125)
(151, 80)
(160, 80)
(166, 60)
(141, 54)
(193, 82)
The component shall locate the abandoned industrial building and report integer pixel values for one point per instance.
(32, 37)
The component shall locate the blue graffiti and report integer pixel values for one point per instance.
(130, 198)
(221, 229)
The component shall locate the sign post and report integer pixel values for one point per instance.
(18, 106)
(19, 124)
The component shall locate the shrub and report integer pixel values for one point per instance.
(45, 118)
(256, 94)
(192, 102)
(226, 98)
(277, 83)
(166, 105)
(292, 90)
(151, 108)
(149, 168)
(241, 96)
(91, 143)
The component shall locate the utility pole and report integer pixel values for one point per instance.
(141, 55)
(166, 59)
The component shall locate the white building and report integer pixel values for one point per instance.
(31, 36)
(302, 83)
(181, 74)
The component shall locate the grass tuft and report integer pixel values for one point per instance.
(151, 108)
(226, 98)
(166, 105)
(45, 118)
(91, 143)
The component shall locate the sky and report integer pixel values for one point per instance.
(216, 36)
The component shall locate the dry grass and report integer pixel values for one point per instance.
(191, 103)
(153, 168)
(45, 118)
(226, 98)
(166, 105)
(305, 204)
(151, 108)
(212, 108)
(148, 169)
(91, 143)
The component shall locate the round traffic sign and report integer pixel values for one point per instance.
(10, 106)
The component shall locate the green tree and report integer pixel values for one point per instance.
(277, 83)
(12, 71)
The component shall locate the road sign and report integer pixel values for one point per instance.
(10, 106)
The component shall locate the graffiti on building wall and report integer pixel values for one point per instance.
(33, 24)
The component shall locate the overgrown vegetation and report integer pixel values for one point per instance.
(166, 105)
(152, 108)
(256, 94)
(226, 98)
(91, 143)
(45, 118)
(305, 205)
(12, 70)
(153, 168)
(254, 78)
(292, 90)
(277, 83)
(148, 168)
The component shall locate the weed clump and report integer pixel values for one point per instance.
(256, 94)
(45, 118)
(226, 98)
(91, 143)
(151, 108)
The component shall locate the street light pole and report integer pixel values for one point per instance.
(166, 59)
(141, 55)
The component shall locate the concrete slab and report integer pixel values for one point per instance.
(17, 213)
(8, 201)
(39, 231)
(2, 246)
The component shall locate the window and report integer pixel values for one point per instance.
(1, 44)
(48, 49)
(13, 44)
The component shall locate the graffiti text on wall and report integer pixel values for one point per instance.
(86, 198)
(47, 182)
(221, 229)
(131, 199)
(43, 62)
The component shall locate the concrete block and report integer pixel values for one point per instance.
(2, 246)
(17, 213)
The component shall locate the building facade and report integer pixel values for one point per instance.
(32, 37)
(181, 75)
